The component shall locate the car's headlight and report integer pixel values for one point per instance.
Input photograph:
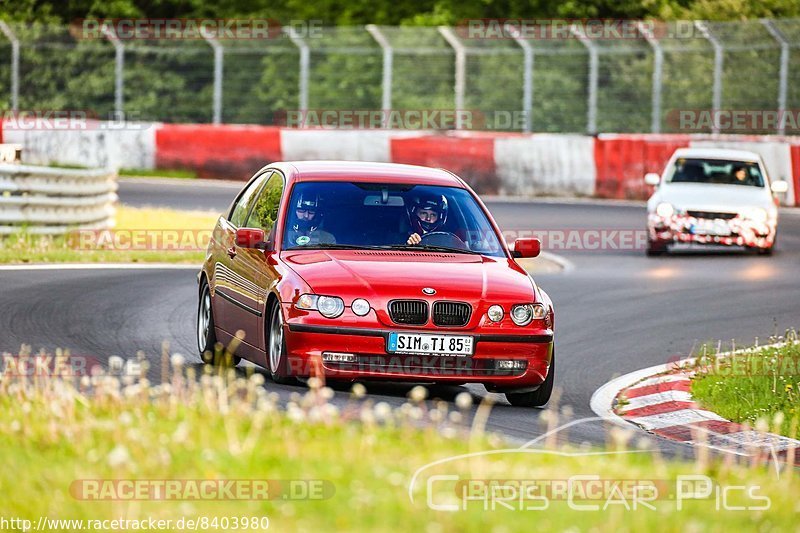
(360, 306)
(495, 313)
(756, 214)
(665, 210)
(328, 306)
(307, 302)
(523, 314)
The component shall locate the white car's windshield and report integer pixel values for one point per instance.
(385, 216)
(716, 171)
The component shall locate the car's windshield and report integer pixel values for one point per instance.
(716, 171)
(387, 216)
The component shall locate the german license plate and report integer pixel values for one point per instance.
(711, 227)
(421, 343)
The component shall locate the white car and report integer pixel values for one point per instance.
(713, 196)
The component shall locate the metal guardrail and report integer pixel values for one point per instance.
(52, 201)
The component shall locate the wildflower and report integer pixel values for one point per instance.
(464, 400)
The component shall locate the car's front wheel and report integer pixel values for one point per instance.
(211, 352)
(276, 354)
(655, 249)
(540, 396)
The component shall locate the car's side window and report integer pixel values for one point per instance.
(245, 201)
(265, 210)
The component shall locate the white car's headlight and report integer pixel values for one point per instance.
(756, 214)
(522, 314)
(665, 210)
(328, 306)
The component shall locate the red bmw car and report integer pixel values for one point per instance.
(371, 271)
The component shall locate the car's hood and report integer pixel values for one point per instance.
(383, 276)
(713, 197)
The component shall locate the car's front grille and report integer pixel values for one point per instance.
(451, 313)
(711, 215)
(410, 312)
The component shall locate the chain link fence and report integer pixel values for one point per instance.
(579, 82)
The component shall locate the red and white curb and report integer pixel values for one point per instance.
(658, 400)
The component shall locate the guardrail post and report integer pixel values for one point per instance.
(219, 52)
(783, 83)
(461, 71)
(305, 62)
(658, 68)
(719, 52)
(527, 76)
(388, 64)
(119, 73)
(594, 64)
(14, 64)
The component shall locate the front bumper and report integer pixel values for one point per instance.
(681, 228)
(306, 344)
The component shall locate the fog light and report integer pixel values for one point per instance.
(338, 357)
(665, 210)
(495, 313)
(511, 364)
(360, 306)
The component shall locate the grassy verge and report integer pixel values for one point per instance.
(345, 467)
(759, 386)
(141, 235)
(158, 173)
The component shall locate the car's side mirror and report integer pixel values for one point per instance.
(250, 238)
(780, 187)
(527, 247)
(651, 178)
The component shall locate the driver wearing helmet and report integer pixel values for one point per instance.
(426, 215)
(305, 226)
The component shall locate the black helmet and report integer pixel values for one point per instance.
(437, 203)
(309, 202)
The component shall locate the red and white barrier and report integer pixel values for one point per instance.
(606, 166)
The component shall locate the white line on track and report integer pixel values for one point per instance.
(101, 266)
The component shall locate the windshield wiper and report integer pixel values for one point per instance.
(332, 246)
(428, 248)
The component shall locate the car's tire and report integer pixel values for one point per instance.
(211, 352)
(277, 358)
(655, 249)
(540, 396)
(765, 251)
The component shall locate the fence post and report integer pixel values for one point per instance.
(658, 67)
(783, 84)
(527, 76)
(388, 62)
(594, 60)
(14, 64)
(461, 70)
(219, 58)
(305, 61)
(119, 72)
(719, 52)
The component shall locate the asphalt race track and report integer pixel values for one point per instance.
(616, 311)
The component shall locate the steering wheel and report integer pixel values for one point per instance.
(444, 238)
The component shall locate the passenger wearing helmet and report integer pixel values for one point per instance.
(426, 215)
(305, 226)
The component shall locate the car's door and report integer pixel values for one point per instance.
(252, 271)
(229, 313)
